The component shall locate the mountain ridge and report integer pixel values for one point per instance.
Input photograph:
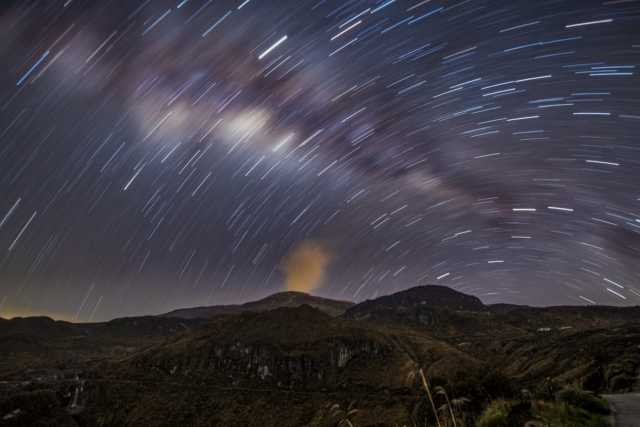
(290, 363)
(329, 306)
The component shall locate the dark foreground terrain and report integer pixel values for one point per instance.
(298, 360)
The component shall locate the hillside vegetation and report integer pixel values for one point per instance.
(424, 355)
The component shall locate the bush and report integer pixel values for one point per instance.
(497, 414)
(584, 400)
(564, 415)
(621, 382)
(594, 381)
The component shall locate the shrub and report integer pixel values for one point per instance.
(560, 414)
(583, 400)
(621, 382)
(594, 381)
(497, 414)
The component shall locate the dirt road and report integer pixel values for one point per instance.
(626, 407)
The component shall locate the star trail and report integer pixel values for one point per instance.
(160, 154)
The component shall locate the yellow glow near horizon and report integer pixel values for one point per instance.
(305, 266)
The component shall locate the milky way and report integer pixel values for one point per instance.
(158, 154)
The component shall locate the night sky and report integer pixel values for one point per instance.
(161, 154)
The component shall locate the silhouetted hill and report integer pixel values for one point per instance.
(282, 299)
(41, 342)
(37, 326)
(429, 305)
(431, 296)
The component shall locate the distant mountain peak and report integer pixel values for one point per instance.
(430, 296)
(290, 299)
